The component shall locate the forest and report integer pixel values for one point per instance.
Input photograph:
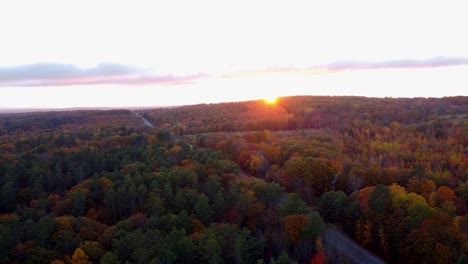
(241, 182)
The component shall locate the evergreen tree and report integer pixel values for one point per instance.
(79, 202)
(8, 197)
(109, 258)
(295, 205)
(203, 210)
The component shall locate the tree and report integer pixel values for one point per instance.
(180, 200)
(212, 185)
(7, 238)
(79, 202)
(293, 225)
(186, 250)
(319, 258)
(283, 259)
(79, 257)
(66, 241)
(177, 247)
(259, 164)
(154, 205)
(423, 187)
(364, 232)
(316, 173)
(305, 249)
(219, 204)
(92, 249)
(203, 210)
(245, 247)
(43, 230)
(355, 182)
(444, 193)
(210, 248)
(8, 197)
(313, 229)
(333, 205)
(267, 193)
(37, 254)
(110, 204)
(109, 258)
(462, 191)
(295, 205)
(379, 199)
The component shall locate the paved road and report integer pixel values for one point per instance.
(145, 121)
(345, 250)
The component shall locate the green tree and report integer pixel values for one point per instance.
(219, 204)
(180, 200)
(168, 192)
(212, 185)
(186, 250)
(154, 205)
(210, 248)
(8, 197)
(203, 210)
(462, 191)
(79, 202)
(267, 193)
(43, 231)
(333, 205)
(109, 258)
(379, 199)
(110, 204)
(283, 259)
(246, 247)
(7, 242)
(313, 229)
(295, 205)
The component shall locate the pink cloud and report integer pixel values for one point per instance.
(54, 74)
(351, 65)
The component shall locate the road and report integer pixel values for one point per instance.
(342, 249)
(145, 121)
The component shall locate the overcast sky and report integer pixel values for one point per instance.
(146, 53)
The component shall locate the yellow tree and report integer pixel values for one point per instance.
(79, 257)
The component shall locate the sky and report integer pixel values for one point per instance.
(57, 54)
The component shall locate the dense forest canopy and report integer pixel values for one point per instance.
(245, 182)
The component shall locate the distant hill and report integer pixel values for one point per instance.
(302, 112)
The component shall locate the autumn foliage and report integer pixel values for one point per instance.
(237, 182)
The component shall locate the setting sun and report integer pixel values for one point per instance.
(271, 99)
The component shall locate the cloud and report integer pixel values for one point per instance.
(397, 64)
(56, 74)
(340, 66)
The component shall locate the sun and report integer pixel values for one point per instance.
(271, 99)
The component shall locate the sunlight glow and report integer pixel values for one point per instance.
(271, 99)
